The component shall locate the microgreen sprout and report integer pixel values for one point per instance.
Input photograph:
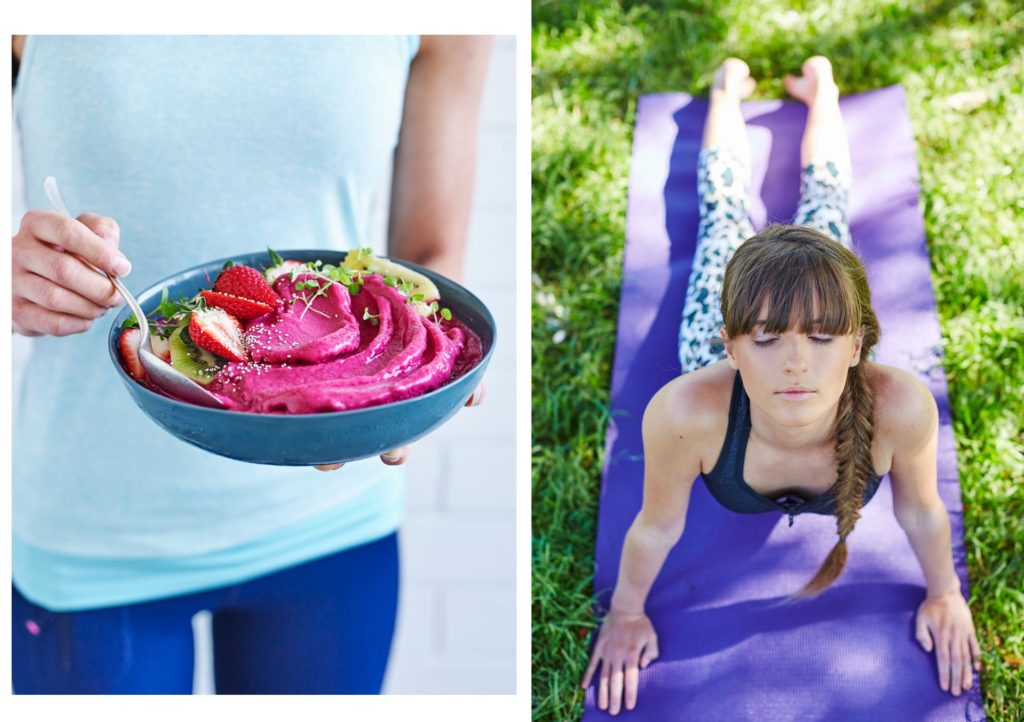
(309, 306)
(373, 318)
(312, 284)
(435, 309)
(169, 309)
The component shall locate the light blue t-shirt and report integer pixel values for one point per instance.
(199, 147)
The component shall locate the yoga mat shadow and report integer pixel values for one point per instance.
(729, 650)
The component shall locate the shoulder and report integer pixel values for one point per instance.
(673, 438)
(690, 407)
(453, 46)
(17, 44)
(905, 410)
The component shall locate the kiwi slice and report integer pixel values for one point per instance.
(361, 260)
(198, 364)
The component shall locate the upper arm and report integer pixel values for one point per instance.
(671, 432)
(17, 45)
(432, 184)
(914, 428)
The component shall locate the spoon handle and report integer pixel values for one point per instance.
(57, 200)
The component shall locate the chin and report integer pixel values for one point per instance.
(800, 413)
(795, 417)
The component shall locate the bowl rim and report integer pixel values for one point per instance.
(115, 327)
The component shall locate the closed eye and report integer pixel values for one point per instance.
(773, 340)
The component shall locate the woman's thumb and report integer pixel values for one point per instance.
(650, 654)
(923, 637)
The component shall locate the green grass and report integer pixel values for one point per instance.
(590, 63)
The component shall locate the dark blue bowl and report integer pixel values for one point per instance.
(306, 439)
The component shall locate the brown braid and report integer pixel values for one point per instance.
(854, 430)
(790, 267)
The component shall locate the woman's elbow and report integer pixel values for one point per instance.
(659, 532)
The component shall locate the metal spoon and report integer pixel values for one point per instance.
(162, 374)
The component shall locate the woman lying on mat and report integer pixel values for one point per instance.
(793, 310)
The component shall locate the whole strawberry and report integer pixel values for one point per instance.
(246, 282)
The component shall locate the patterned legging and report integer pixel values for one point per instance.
(723, 181)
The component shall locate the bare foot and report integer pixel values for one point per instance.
(816, 81)
(733, 77)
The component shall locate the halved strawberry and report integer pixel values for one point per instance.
(246, 282)
(218, 332)
(282, 268)
(161, 346)
(129, 343)
(244, 309)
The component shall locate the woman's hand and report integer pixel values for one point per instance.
(52, 291)
(398, 456)
(626, 644)
(944, 623)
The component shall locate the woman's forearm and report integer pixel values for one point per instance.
(449, 261)
(929, 535)
(643, 555)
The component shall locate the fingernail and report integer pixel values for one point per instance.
(122, 267)
(391, 456)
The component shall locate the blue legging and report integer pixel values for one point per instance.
(323, 627)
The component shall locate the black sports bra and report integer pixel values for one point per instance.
(726, 483)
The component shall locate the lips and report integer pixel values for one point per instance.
(795, 394)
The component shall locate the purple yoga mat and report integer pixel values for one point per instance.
(727, 653)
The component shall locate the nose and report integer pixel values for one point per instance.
(795, 356)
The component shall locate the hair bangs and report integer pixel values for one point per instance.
(804, 293)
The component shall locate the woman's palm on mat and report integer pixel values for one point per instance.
(626, 644)
(947, 620)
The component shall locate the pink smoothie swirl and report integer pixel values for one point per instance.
(337, 351)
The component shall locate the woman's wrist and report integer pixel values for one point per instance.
(943, 590)
(628, 604)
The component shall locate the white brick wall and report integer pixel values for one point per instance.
(456, 621)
